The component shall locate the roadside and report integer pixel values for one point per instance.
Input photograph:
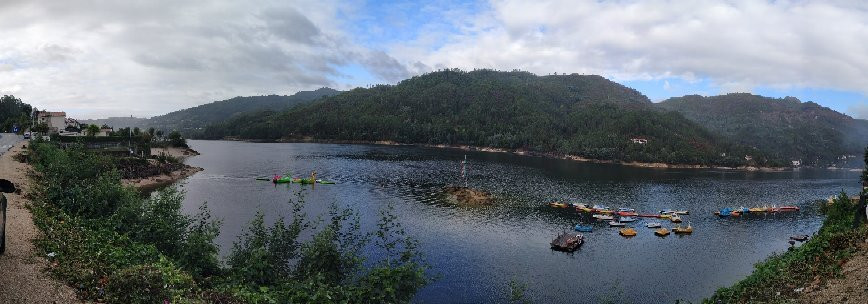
(22, 276)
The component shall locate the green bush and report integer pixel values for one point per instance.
(118, 246)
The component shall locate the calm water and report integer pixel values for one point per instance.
(477, 251)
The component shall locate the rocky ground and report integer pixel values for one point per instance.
(851, 287)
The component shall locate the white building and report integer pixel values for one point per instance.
(56, 121)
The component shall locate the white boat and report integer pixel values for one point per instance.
(626, 210)
(653, 225)
(603, 217)
(675, 218)
(628, 219)
(616, 224)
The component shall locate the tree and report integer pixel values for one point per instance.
(92, 130)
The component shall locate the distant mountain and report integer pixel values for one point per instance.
(784, 127)
(582, 115)
(191, 121)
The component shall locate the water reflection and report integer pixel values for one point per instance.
(477, 251)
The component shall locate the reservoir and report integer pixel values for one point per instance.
(475, 252)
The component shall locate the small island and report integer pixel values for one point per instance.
(465, 196)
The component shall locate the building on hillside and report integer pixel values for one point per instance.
(105, 131)
(748, 157)
(797, 163)
(56, 121)
(637, 140)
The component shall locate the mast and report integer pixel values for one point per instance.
(464, 170)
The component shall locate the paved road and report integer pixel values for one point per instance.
(7, 140)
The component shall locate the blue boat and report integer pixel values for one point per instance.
(584, 228)
(725, 212)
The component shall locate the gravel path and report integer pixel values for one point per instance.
(22, 274)
(851, 287)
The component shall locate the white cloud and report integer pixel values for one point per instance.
(738, 45)
(98, 57)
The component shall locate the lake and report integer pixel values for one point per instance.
(477, 251)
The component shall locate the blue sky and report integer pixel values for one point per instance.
(121, 58)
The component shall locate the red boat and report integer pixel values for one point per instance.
(627, 213)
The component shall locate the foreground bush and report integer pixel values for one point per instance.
(114, 245)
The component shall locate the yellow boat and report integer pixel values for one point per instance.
(661, 232)
(683, 230)
(757, 209)
(585, 209)
(666, 216)
(627, 232)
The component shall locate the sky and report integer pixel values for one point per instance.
(98, 58)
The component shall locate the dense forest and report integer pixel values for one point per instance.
(191, 121)
(13, 112)
(786, 128)
(583, 115)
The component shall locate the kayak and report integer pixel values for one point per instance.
(282, 180)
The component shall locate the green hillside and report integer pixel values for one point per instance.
(583, 115)
(191, 121)
(784, 127)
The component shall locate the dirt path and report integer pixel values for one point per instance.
(22, 275)
(851, 287)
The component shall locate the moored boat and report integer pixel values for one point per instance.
(627, 213)
(568, 241)
(683, 230)
(788, 208)
(675, 218)
(616, 224)
(627, 219)
(557, 205)
(649, 215)
(627, 232)
(661, 232)
(603, 217)
(653, 225)
(757, 209)
(584, 228)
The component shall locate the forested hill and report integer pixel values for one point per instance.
(191, 121)
(785, 127)
(582, 115)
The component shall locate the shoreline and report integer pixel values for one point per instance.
(151, 183)
(521, 152)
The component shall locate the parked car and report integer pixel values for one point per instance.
(26, 135)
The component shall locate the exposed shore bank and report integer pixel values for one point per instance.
(154, 182)
(23, 279)
(525, 153)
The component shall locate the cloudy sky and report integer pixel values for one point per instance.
(95, 58)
